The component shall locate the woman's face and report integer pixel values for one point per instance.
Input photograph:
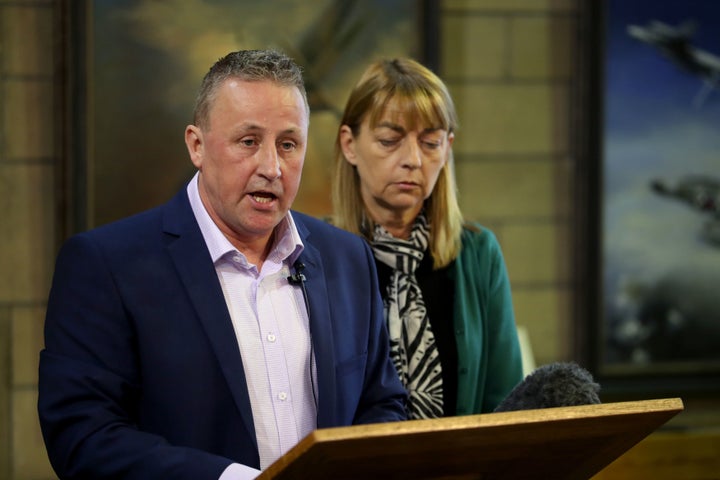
(398, 167)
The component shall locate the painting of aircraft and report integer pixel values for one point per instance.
(674, 43)
(701, 193)
(659, 189)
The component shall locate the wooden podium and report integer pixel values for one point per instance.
(553, 443)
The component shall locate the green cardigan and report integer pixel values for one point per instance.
(489, 359)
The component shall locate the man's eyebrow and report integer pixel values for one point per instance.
(251, 127)
(292, 131)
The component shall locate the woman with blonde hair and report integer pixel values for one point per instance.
(443, 280)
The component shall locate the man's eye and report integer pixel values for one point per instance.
(248, 142)
(287, 146)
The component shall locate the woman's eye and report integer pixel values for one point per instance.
(385, 142)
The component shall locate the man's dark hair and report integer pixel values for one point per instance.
(248, 65)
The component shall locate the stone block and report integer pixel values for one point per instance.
(29, 30)
(474, 47)
(27, 232)
(30, 460)
(541, 47)
(536, 252)
(511, 118)
(506, 188)
(545, 312)
(5, 445)
(27, 341)
(28, 121)
(512, 5)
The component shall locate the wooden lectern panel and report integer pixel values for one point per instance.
(553, 443)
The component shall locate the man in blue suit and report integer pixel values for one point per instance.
(204, 338)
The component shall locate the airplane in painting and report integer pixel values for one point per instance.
(702, 194)
(674, 43)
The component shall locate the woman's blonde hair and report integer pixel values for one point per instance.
(427, 103)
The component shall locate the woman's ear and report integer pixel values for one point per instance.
(347, 144)
(194, 144)
(448, 150)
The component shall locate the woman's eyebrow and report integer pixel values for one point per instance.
(391, 126)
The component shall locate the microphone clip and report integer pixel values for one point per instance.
(297, 278)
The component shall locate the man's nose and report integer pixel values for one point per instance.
(269, 161)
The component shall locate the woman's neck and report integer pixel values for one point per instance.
(397, 224)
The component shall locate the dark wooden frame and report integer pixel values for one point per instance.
(587, 148)
(70, 190)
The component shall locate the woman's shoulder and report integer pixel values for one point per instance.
(480, 252)
(476, 236)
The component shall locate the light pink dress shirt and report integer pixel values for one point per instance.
(271, 325)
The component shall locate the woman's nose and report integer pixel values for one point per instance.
(413, 154)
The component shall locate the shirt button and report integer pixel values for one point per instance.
(271, 338)
(236, 258)
(282, 396)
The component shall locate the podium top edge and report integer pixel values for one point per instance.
(668, 407)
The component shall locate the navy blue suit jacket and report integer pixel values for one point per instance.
(141, 375)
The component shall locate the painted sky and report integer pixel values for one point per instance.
(653, 129)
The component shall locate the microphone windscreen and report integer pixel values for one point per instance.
(561, 384)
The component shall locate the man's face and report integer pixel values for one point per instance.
(250, 156)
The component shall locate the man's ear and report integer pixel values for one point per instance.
(347, 144)
(194, 143)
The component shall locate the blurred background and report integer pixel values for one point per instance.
(95, 95)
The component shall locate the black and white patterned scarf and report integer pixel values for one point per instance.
(412, 343)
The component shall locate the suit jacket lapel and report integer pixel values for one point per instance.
(198, 275)
(320, 327)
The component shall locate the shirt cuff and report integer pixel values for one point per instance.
(236, 471)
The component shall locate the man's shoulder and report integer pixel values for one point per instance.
(175, 211)
(139, 228)
(127, 226)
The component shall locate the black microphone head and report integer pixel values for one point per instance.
(298, 277)
(561, 384)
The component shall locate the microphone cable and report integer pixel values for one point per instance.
(298, 278)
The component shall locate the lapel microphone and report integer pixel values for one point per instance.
(297, 278)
